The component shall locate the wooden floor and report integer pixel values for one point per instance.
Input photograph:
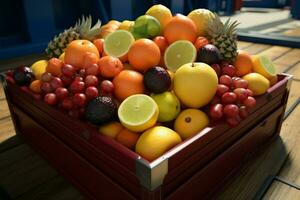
(25, 175)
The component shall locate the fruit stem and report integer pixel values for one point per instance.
(193, 64)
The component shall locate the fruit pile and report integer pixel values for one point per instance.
(152, 82)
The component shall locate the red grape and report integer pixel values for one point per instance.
(217, 69)
(91, 80)
(228, 70)
(229, 97)
(68, 70)
(74, 113)
(56, 83)
(50, 99)
(240, 83)
(67, 103)
(77, 87)
(215, 100)
(216, 112)
(107, 86)
(61, 93)
(92, 69)
(235, 78)
(241, 94)
(249, 102)
(46, 77)
(249, 92)
(91, 92)
(78, 78)
(46, 88)
(243, 112)
(221, 89)
(82, 73)
(224, 63)
(226, 80)
(10, 79)
(66, 80)
(231, 110)
(233, 121)
(79, 99)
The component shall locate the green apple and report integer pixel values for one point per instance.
(195, 84)
(168, 106)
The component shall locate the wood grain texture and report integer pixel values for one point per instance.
(243, 45)
(275, 52)
(2, 95)
(295, 70)
(288, 60)
(281, 191)
(294, 94)
(256, 48)
(6, 129)
(4, 111)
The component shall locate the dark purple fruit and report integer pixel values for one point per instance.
(157, 80)
(23, 76)
(209, 54)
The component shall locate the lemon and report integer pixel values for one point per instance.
(38, 68)
(138, 112)
(118, 43)
(161, 13)
(257, 83)
(168, 106)
(146, 26)
(126, 25)
(156, 141)
(179, 53)
(201, 17)
(264, 66)
(190, 122)
(62, 57)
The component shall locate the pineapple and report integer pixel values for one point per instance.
(224, 37)
(81, 30)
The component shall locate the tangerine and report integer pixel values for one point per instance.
(35, 86)
(127, 138)
(89, 59)
(200, 42)
(127, 83)
(162, 43)
(143, 54)
(180, 28)
(54, 67)
(99, 44)
(243, 63)
(109, 66)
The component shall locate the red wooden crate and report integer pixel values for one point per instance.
(101, 168)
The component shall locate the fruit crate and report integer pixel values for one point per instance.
(101, 168)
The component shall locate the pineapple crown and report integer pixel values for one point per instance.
(84, 27)
(217, 28)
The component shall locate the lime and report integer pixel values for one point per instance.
(179, 53)
(264, 66)
(146, 26)
(138, 112)
(118, 43)
(38, 68)
(161, 13)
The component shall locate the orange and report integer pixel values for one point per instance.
(200, 42)
(162, 43)
(127, 83)
(127, 138)
(143, 54)
(111, 129)
(54, 67)
(99, 44)
(89, 59)
(180, 28)
(124, 58)
(76, 51)
(35, 86)
(109, 66)
(243, 63)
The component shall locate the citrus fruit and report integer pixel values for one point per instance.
(179, 53)
(76, 51)
(243, 63)
(201, 18)
(161, 13)
(195, 84)
(257, 83)
(35, 86)
(127, 138)
(264, 66)
(126, 25)
(38, 68)
(118, 43)
(143, 54)
(54, 67)
(89, 59)
(111, 129)
(168, 106)
(156, 141)
(157, 80)
(109, 66)
(62, 57)
(138, 112)
(190, 122)
(99, 44)
(200, 42)
(162, 43)
(108, 28)
(145, 26)
(180, 27)
(127, 83)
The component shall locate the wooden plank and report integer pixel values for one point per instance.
(257, 48)
(4, 111)
(295, 70)
(246, 183)
(283, 63)
(275, 52)
(243, 45)
(2, 95)
(7, 129)
(56, 188)
(281, 191)
(22, 170)
(294, 93)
